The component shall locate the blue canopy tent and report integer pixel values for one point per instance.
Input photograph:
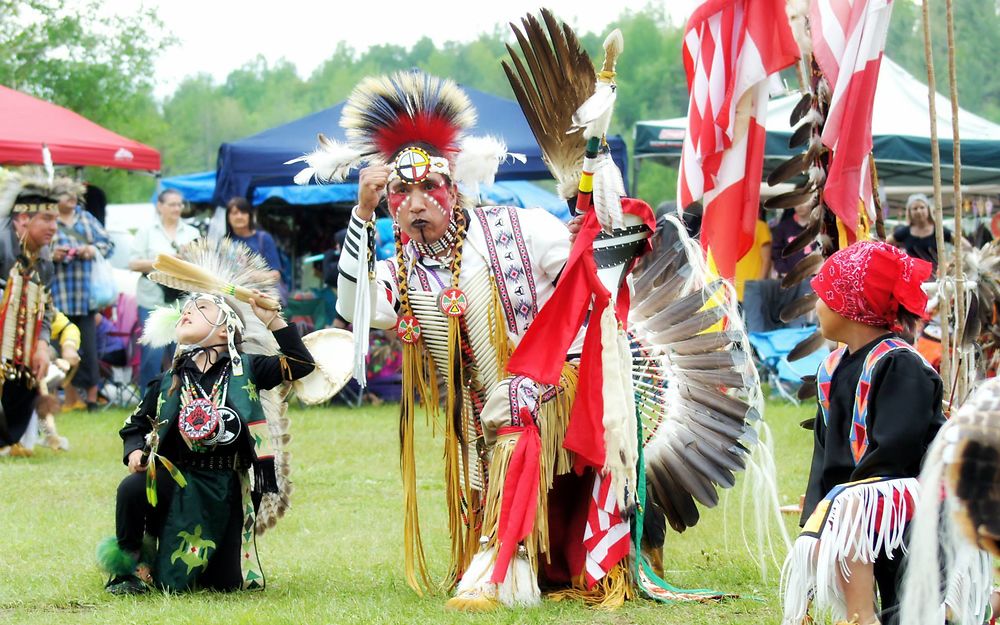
(258, 160)
(200, 188)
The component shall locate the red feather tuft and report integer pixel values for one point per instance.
(427, 128)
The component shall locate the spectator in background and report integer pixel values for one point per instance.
(79, 239)
(241, 225)
(793, 221)
(918, 237)
(166, 235)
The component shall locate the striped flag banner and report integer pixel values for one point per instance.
(848, 41)
(731, 47)
(607, 536)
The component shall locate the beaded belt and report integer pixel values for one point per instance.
(213, 462)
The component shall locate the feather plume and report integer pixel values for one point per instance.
(330, 162)
(695, 435)
(198, 278)
(479, 159)
(160, 328)
(594, 115)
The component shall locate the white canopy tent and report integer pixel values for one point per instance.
(900, 130)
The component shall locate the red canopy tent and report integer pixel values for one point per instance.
(26, 123)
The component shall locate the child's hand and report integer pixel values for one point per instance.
(270, 318)
(135, 464)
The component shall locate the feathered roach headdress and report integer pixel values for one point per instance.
(413, 120)
(30, 191)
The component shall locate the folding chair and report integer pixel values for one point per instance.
(771, 351)
(119, 380)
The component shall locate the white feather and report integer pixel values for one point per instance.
(330, 162)
(160, 329)
(594, 115)
(478, 161)
(609, 188)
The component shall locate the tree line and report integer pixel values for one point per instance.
(101, 67)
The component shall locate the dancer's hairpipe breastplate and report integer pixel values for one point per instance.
(21, 315)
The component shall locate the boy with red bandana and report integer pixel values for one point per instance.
(879, 409)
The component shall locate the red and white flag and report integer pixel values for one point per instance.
(848, 40)
(607, 537)
(731, 47)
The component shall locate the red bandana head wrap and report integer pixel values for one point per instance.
(869, 281)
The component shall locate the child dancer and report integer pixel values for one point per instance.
(879, 409)
(187, 513)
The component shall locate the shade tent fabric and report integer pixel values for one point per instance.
(900, 131)
(27, 123)
(200, 188)
(258, 160)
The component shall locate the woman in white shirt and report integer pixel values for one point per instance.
(166, 235)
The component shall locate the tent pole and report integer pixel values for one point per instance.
(961, 355)
(636, 166)
(942, 273)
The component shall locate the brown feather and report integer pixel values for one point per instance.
(804, 269)
(791, 199)
(551, 78)
(800, 136)
(799, 307)
(703, 343)
(787, 170)
(801, 108)
(804, 238)
(808, 388)
(806, 346)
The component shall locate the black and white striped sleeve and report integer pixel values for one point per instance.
(354, 260)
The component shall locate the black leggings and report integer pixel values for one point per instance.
(88, 374)
(17, 402)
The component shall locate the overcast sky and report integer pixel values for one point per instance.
(217, 36)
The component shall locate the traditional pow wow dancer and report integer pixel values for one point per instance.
(469, 283)
(879, 409)
(205, 449)
(26, 311)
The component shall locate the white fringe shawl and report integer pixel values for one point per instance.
(814, 567)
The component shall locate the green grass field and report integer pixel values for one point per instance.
(337, 556)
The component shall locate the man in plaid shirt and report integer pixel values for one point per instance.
(79, 240)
